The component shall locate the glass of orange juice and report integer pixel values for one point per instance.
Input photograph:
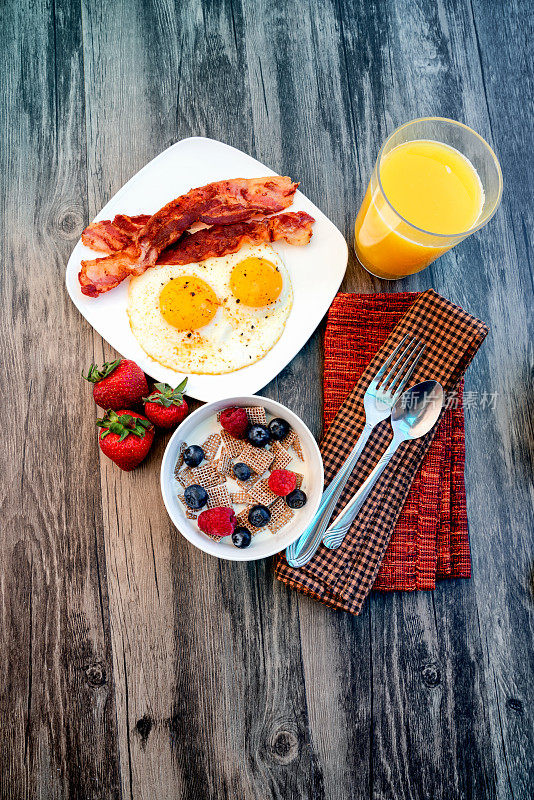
(435, 182)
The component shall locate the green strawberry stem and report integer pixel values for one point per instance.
(95, 374)
(166, 396)
(122, 425)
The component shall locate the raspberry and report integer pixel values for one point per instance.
(282, 481)
(235, 421)
(219, 521)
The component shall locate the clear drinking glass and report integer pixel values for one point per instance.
(390, 245)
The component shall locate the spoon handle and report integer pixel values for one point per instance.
(301, 551)
(340, 526)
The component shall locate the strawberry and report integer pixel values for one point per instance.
(126, 437)
(166, 406)
(117, 384)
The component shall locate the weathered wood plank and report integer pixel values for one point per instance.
(297, 81)
(430, 63)
(185, 680)
(414, 749)
(500, 497)
(57, 737)
(122, 82)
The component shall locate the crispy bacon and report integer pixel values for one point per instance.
(102, 274)
(224, 202)
(220, 203)
(109, 237)
(219, 240)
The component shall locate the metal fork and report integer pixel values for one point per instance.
(382, 393)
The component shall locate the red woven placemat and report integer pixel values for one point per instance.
(420, 548)
(428, 539)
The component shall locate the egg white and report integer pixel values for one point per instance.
(237, 336)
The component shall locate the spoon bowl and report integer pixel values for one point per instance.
(417, 410)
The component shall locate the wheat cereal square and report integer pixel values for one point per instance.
(219, 496)
(256, 415)
(282, 456)
(211, 445)
(280, 515)
(262, 494)
(183, 476)
(241, 497)
(299, 478)
(224, 463)
(297, 447)
(287, 441)
(257, 459)
(234, 446)
(180, 459)
(206, 475)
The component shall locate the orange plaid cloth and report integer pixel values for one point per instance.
(425, 525)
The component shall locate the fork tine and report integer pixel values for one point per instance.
(387, 363)
(399, 363)
(397, 389)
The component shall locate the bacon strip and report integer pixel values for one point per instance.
(221, 203)
(102, 274)
(219, 240)
(109, 237)
(224, 202)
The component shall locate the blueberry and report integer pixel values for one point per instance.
(242, 471)
(195, 496)
(241, 537)
(278, 428)
(296, 499)
(258, 435)
(193, 455)
(259, 516)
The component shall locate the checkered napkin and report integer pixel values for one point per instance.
(430, 538)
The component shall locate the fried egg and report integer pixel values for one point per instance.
(212, 317)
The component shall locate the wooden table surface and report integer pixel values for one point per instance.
(133, 665)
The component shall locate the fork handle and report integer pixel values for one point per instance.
(342, 523)
(300, 552)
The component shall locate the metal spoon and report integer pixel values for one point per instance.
(415, 414)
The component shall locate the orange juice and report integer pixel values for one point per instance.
(434, 195)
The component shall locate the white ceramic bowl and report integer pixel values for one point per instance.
(264, 543)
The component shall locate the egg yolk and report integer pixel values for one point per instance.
(256, 282)
(188, 303)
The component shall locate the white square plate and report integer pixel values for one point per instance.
(316, 270)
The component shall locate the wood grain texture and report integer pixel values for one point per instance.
(132, 665)
(56, 677)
